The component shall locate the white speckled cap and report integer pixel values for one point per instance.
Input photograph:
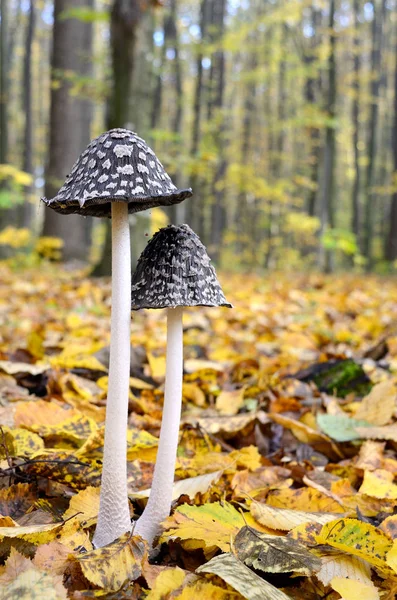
(175, 270)
(117, 166)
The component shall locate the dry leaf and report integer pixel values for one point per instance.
(379, 484)
(211, 525)
(378, 407)
(357, 538)
(114, 565)
(351, 590)
(229, 402)
(241, 578)
(274, 554)
(285, 519)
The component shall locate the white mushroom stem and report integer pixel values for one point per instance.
(159, 503)
(114, 515)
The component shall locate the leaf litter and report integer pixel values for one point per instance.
(285, 482)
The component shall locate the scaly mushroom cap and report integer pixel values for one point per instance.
(117, 166)
(175, 270)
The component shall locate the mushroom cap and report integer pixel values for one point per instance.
(117, 166)
(175, 270)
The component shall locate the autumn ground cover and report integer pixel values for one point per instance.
(287, 458)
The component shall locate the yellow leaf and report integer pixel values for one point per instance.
(205, 590)
(21, 442)
(357, 538)
(17, 499)
(35, 344)
(76, 429)
(166, 582)
(192, 393)
(32, 413)
(141, 444)
(350, 589)
(78, 361)
(229, 402)
(304, 499)
(114, 565)
(392, 556)
(379, 484)
(378, 407)
(285, 519)
(247, 457)
(84, 506)
(157, 366)
(210, 524)
(35, 534)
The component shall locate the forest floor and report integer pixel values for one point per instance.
(287, 458)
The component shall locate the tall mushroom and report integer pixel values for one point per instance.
(116, 175)
(173, 271)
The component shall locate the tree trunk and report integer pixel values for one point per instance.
(125, 19)
(216, 103)
(195, 215)
(311, 96)
(327, 213)
(370, 199)
(28, 208)
(391, 244)
(69, 124)
(4, 82)
(355, 223)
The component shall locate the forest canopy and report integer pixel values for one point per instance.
(280, 114)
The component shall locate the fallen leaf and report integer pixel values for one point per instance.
(229, 402)
(351, 590)
(211, 525)
(186, 487)
(116, 564)
(357, 538)
(379, 484)
(169, 580)
(17, 499)
(346, 567)
(274, 554)
(241, 578)
(285, 519)
(206, 590)
(22, 580)
(378, 406)
(17, 368)
(340, 428)
(388, 432)
(84, 506)
(53, 558)
(35, 534)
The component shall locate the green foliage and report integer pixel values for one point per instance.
(85, 14)
(12, 183)
(340, 239)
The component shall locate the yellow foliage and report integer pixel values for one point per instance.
(358, 538)
(114, 565)
(15, 238)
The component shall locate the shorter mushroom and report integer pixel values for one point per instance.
(173, 271)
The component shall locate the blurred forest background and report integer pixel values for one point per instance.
(280, 114)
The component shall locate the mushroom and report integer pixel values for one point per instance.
(173, 271)
(116, 175)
